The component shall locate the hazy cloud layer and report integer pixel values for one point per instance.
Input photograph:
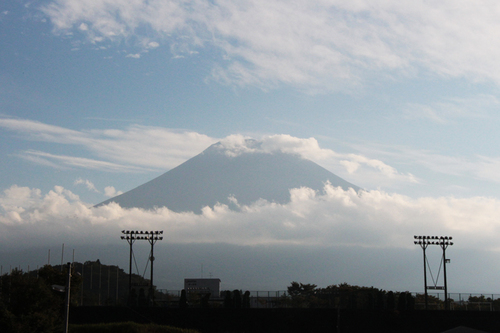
(372, 219)
(452, 109)
(133, 149)
(476, 167)
(142, 148)
(145, 148)
(315, 45)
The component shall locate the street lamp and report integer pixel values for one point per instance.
(152, 237)
(443, 242)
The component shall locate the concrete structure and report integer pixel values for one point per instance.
(203, 286)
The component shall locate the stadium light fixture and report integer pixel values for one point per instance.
(152, 237)
(443, 242)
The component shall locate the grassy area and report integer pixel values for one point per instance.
(128, 327)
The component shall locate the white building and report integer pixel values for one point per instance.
(203, 286)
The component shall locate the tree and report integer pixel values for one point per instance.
(228, 300)
(391, 301)
(204, 300)
(142, 299)
(246, 300)
(236, 299)
(402, 301)
(132, 298)
(183, 300)
(379, 305)
(303, 295)
(300, 289)
(410, 302)
(28, 303)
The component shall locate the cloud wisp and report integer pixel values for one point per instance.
(449, 110)
(136, 148)
(312, 45)
(144, 148)
(62, 162)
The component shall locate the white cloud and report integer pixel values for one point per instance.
(135, 56)
(110, 191)
(367, 170)
(315, 45)
(152, 45)
(372, 219)
(90, 186)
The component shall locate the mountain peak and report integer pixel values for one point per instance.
(234, 145)
(234, 168)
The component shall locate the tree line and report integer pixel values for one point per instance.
(346, 296)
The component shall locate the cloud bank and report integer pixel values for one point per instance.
(313, 45)
(373, 219)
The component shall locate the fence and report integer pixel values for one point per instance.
(280, 299)
(460, 301)
(109, 286)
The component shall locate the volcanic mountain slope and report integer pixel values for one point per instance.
(219, 173)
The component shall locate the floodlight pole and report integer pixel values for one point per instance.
(152, 237)
(130, 240)
(444, 245)
(151, 258)
(443, 242)
(424, 247)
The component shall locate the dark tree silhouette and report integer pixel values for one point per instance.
(391, 301)
(142, 301)
(228, 300)
(28, 302)
(402, 301)
(236, 299)
(410, 302)
(183, 300)
(246, 300)
(380, 300)
(204, 300)
(132, 298)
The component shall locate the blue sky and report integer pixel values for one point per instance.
(399, 98)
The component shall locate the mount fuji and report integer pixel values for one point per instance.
(221, 174)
